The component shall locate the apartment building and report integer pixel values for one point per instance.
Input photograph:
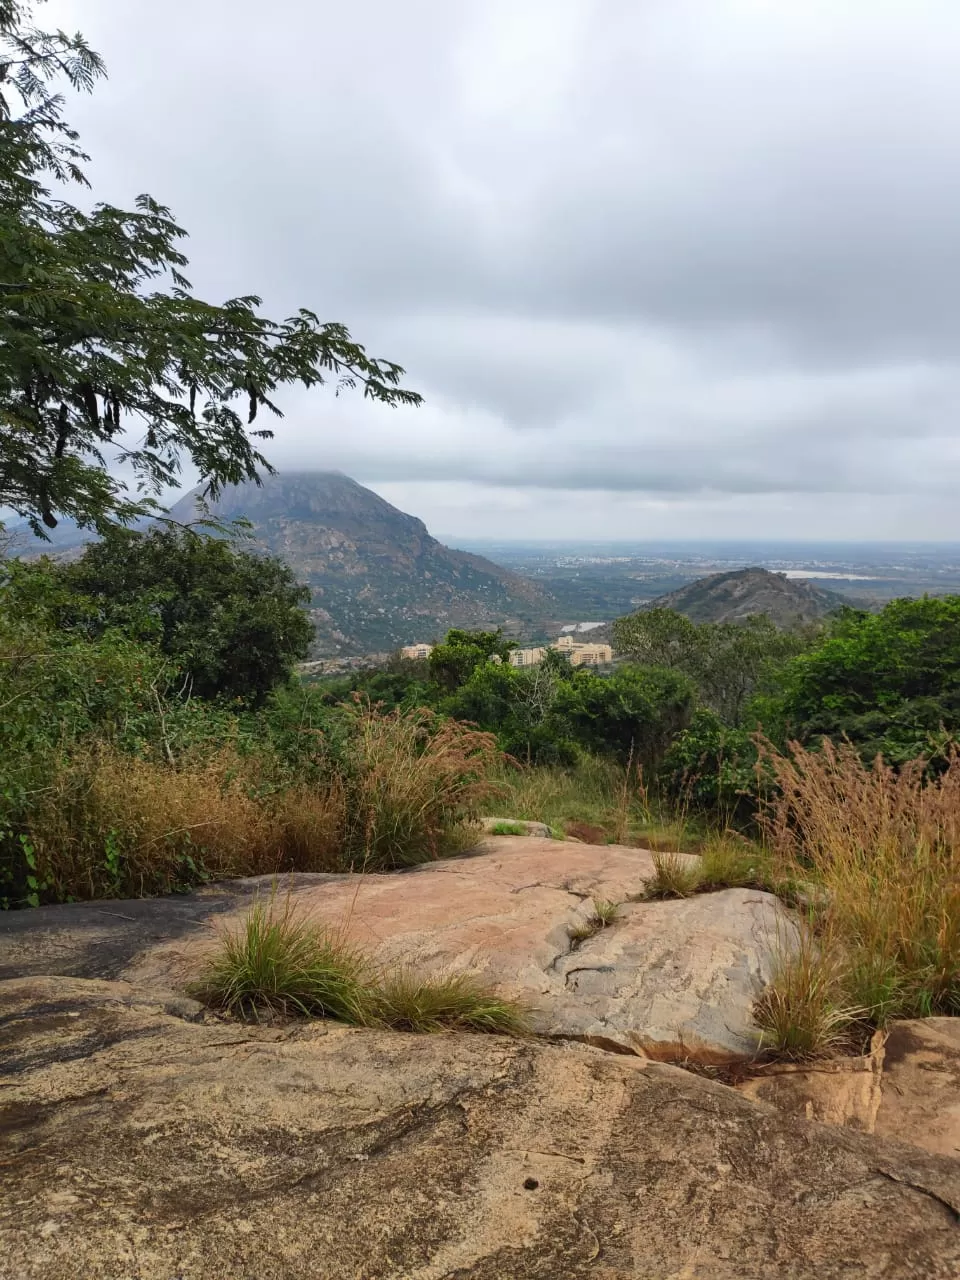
(416, 651)
(526, 657)
(589, 655)
(579, 655)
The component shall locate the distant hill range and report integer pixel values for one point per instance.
(377, 577)
(731, 597)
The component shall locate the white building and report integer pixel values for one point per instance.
(414, 651)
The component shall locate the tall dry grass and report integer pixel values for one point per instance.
(413, 785)
(597, 800)
(110, 824)
(879, 849)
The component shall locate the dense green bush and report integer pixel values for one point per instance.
(635, 712)
(231, 621)
(713, 767)
(890, 682)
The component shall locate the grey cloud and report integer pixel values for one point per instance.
(686, 247)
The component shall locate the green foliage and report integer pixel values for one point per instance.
(507, 828)
(713, 767)
(636, 712)
(730, 662)
(231, 621)
(454, 662)
(890, 681)
(99, 332)
(518, 704)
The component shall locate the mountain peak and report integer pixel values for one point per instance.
(741, 593)
(377, 577)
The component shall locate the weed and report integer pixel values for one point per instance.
(728, 862)
(508, 829)
(277, 963)
(407, 1001)
(602, 916)
(597, 801)
(881, 850)
(673, 877)
(605, 912)
(802, 1013)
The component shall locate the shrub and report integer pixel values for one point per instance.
(888, 681)
(713, 767)
(882, 847)
(633, 714)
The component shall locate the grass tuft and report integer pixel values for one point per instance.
(509, 829)
(727, 862)
(602, 916)
(802, 1013)
(407, 1001)
(278, 963)
(673, 877)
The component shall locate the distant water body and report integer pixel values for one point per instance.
(822, 573)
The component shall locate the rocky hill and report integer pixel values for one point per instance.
(730, 597)
(378, 578)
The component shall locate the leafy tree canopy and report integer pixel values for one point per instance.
(233, 622)
(453, 662)
(889, 681)
(106, 357)
(729, 661)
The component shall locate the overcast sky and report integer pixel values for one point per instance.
(661, 268)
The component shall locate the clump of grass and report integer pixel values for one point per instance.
(596, 800)
(407, 1001)
(278, 963)
(727, 862)
(881, 848)
(412, 782)
(673, 877)
(602, 916)
(605, 912)
(508, 829)
(111, 824)
(802, 1013)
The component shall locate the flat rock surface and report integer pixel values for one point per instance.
(669, 979)
(136, 1143)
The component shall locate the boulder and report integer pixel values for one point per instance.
(920, 1093)
(138, 1143)
(838, 1091)
(667, 979)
